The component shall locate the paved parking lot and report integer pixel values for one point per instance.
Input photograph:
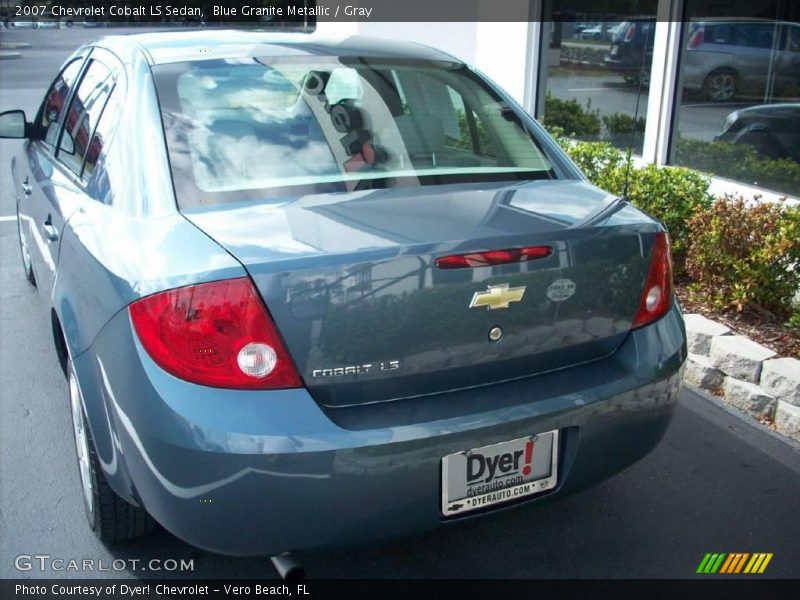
(609, 94)
(717, 482)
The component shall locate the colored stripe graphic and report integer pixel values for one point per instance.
(729, 563)
(711, 563)
(734, 563)
(764, 564)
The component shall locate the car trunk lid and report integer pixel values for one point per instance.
(351, 283)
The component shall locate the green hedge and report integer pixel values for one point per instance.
(569, 117)
(741, 163)
(583, 54)
(746, 255)
(670, 194)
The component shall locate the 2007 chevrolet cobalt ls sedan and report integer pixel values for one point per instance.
(310, 293)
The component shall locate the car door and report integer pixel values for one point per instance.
(754, 57)
(61, 184)
(35, 167)
(787, 63)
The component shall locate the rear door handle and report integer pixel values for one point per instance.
(50, 230)
(26, 187)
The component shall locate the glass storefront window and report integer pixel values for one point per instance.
(598, 66)
(738, 105)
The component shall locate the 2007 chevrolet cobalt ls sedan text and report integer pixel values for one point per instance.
(311, 293)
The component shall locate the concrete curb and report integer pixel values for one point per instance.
(14, 45)
(741, 415)
(733, 366)
(6, 55)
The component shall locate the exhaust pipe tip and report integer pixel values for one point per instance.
(288, 567)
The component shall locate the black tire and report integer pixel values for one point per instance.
(720, 85)
(25, 255)
(111, 518)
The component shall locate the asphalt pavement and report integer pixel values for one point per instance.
(608, 94)
(718, 482)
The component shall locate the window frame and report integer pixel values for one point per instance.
(37, 132)
(115, 65)
(91, 58)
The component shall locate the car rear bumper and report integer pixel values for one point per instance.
(246, 473)
(622, 64)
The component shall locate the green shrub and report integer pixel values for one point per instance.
(671, 194)
(570, 116)
(583, 54)
(623, 131)
(745, 255)
(603, 164)
(740, 162)
(621, 123)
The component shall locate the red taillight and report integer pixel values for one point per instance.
(696, 39)
(492, 257)
(631, 33)
(657, 295)
(217, 334)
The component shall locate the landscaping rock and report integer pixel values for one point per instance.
(701, 372)
(787, 420)
(700, 331)
(781, 378)
(739, 357)
(748, 397)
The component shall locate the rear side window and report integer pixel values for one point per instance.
(724, 34)
(270, 126)
(761, 36)
(83, 114)
(93, 171)
(751, 35)
(55, 102)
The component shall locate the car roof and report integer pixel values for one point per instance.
(781, 109)
(163, 47)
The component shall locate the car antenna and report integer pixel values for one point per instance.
(635, 119)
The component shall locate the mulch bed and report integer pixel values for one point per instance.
(765, 330)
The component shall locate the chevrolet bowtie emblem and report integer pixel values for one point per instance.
(497, 296)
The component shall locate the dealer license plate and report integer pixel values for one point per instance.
(499, 473)
(614, 50)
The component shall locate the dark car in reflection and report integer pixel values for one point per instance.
(771, 129)
(631, 50)
(309, 293)
(726, 58)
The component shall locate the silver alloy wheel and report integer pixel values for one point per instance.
(81, 442)
(721, 86)
(26, 255)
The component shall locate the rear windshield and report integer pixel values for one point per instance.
(253, 128)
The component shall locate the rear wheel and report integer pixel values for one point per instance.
(27, 264)
(635, 78)
(720, 86)
(110, 517)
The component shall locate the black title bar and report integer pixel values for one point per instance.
(306, 13)
(707, 588)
